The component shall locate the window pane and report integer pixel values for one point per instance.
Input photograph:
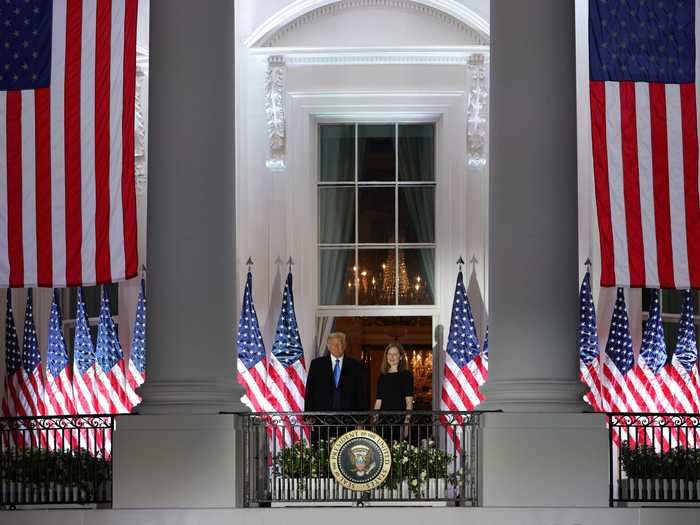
(417, 214)
(416, 276)
(336, 276)
(336, 217)
(337, 161)
(375, 214)
(91, 296)
(646, 299)
(670, 336)
(417, 152)
(377, 276)
(376, 155)
(672, 301)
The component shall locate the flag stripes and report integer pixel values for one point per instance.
(67, 152)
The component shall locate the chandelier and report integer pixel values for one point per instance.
(379, 285)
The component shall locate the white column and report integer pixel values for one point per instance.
(533, 243)
(191, 278)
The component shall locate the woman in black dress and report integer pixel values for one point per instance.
(394, 392)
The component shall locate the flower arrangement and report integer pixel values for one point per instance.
(412, 464)
(644, 462)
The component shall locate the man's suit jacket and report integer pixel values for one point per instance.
(320, 386)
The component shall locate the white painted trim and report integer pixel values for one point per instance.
(300, 8)
(305, 111)
(320, 56)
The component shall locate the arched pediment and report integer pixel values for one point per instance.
(375, 23)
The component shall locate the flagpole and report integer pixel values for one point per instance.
(459, 263)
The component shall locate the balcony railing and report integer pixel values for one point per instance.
(654, 458)
(61, 460)
(289, 458)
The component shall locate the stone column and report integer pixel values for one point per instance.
(533, 209)
(191, 278)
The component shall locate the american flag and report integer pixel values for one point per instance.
(67, 189)
(617, 362)
(460, 387)
(286, 369)
(642, 59)
(11, 405)
(683, 368)
(31, 382)
(83, 362)
(136, 371)
(59, 376)
(480, 316)
(113, 393)
(647, 376)
(485, 355)
(588, 347)
(251, 360)
(11, 402)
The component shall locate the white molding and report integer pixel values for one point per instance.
(477, 111)
(301, 11)
(275, 80)
(332, 56)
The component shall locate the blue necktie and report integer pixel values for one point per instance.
(336, 372)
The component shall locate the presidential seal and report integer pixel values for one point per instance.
(360, 460)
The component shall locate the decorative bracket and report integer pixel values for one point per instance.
(140, 132)
(274, 109)
(477, 111)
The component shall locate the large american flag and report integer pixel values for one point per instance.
(588, 347)
(463, 368)
(643, 68)
(287, 369)
(67, 191)
(251, 357)
(136, 371)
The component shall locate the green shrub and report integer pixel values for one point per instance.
(76, 468)
(644, 462)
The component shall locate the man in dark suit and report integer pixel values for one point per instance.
(336, 382)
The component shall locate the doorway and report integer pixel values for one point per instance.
(368, 336)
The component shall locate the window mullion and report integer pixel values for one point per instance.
(396, 209)
(356, 280)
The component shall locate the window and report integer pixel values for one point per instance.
(376, 211)
(92, 298)
(671, 304)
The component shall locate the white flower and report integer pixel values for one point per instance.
(404, 460)
(423, 474)
(414, 482)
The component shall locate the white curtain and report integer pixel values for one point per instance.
(324, 327)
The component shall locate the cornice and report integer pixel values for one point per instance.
(439, 55)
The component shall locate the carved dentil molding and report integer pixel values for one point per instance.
(329, 9)
(477, 111)
(274, 110)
